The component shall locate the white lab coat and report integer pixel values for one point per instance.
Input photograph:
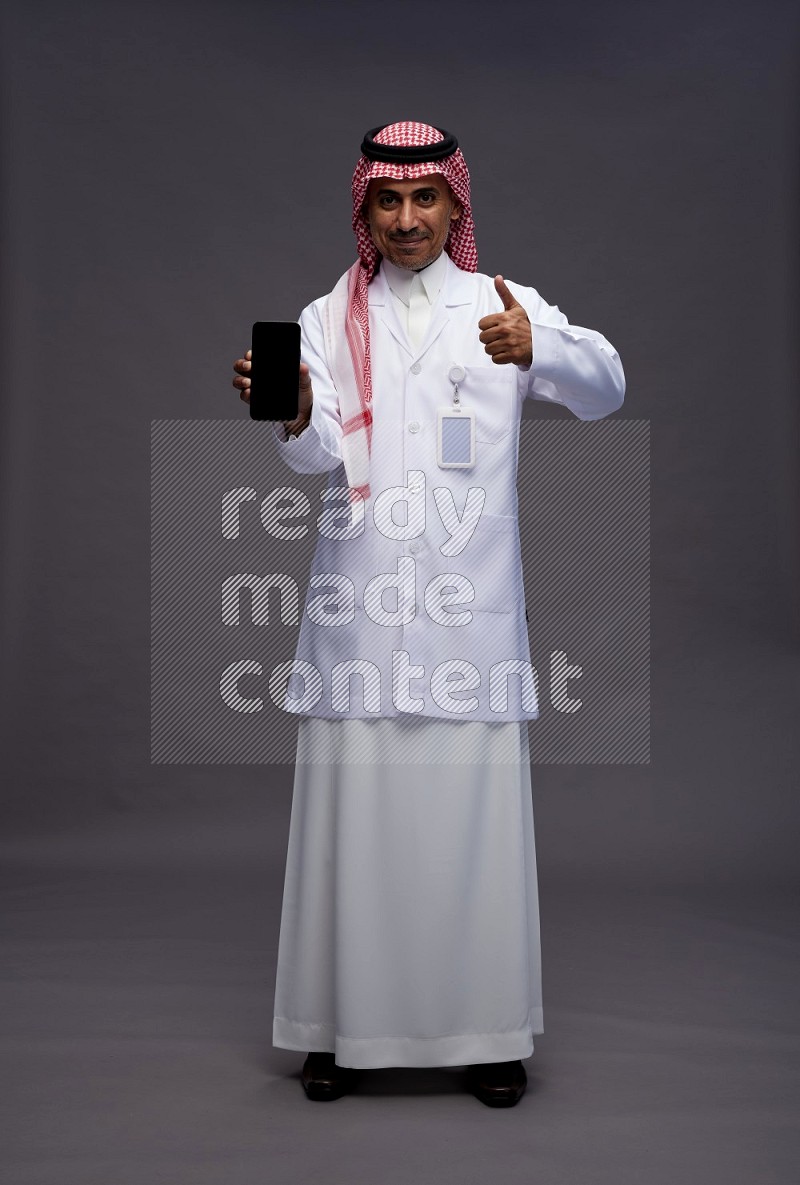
(412, 662)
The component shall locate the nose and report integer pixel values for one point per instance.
(407, 215)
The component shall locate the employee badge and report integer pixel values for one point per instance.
(455, 429)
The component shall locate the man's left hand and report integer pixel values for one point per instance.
(507, 336)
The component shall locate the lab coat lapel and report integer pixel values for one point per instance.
(381, 303)
(455, 291)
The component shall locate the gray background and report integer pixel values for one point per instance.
(172, 172)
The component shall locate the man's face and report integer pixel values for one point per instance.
(409, 220)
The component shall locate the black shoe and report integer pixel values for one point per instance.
(497, 1084)
(323, 1080)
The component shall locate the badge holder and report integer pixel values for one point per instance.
(455, 429)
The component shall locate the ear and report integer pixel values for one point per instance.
(456, 211)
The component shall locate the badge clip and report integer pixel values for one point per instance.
(455, 429)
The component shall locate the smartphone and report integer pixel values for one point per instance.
(275, 370)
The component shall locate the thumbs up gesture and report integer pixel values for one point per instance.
(507, 336)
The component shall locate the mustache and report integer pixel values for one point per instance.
(407, 234)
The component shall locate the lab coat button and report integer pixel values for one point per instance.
(416, 368)
(414, 426)
(414, 547)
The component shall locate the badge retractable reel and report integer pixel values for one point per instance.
(455, 429)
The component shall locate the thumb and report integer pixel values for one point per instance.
(502, 291)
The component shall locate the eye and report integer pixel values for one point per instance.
(428, 198)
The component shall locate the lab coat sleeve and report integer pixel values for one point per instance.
(318, 448)
(576, 367)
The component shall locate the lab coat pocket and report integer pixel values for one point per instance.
(489, 392)
(491, 562)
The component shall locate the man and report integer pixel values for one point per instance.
(410, 924)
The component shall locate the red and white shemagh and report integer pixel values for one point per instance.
(355, 399)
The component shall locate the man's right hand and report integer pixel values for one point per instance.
(304, 400)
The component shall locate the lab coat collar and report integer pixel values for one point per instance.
(456, 290)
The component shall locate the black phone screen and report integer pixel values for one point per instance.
(275, 370)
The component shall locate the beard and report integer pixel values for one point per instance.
(414, 261)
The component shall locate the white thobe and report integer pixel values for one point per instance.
(410, 922)
(410, 919)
